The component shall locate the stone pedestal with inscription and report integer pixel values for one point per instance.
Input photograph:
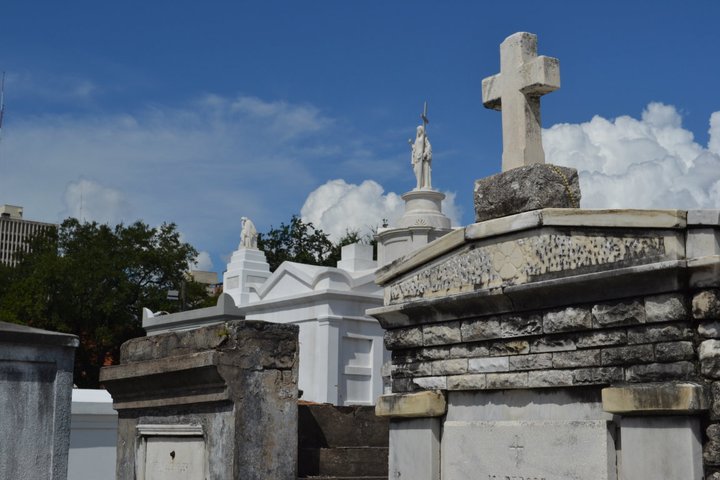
(558, 344)
(216, 402)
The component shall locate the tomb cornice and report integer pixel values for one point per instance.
(549, 217)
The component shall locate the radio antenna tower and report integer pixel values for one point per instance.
(2, 113)
(2, 102)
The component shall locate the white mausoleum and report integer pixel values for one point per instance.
(341, 349)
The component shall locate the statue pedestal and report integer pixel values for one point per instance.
(422, 222)
(423, 208)
(247, 271)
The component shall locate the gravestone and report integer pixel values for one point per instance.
(554, 343)
(36, 371)
(215, 402)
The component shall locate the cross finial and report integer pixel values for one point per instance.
(424, 116)
(516, 90)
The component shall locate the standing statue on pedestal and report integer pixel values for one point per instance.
(422, 155)
(248, 234)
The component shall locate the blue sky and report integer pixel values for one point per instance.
(202, 112)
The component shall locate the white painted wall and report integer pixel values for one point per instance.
(341, 349)
(93, 436)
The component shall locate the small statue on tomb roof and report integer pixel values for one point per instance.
(248, 234)
(421, 159)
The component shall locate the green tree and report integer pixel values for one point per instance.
(303, 243)
(92, 280)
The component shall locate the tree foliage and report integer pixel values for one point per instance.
(92, 280)
(303, 243)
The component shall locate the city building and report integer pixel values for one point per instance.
(14, 231)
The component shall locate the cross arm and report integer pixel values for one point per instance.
(491, 92)
(541, 75)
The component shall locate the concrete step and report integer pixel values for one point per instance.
(330, 426)
(342, 478)
(351, 462)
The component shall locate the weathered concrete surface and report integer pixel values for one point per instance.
(661, 447)
(236, 383)
(415, 448)
(36, 370)
(526, 188)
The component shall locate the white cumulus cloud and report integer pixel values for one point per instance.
(202, 163)
(203, 262)
(90, 201)
(651, 162)
(337, 207)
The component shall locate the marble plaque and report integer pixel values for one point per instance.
(528, 450)
(176, 458)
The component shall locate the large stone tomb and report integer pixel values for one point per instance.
(36, 371)
(216, 402)
(557, 344)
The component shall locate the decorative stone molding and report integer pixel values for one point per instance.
(529, 258)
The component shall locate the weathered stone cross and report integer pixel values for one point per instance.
(516, 90)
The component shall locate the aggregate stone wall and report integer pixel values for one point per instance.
(630, 340)
(660, 338)
(706, 313)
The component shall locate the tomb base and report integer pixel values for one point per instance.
(522, 189)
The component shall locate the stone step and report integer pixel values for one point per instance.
(343, 462)
(324, 426)
(343, 478)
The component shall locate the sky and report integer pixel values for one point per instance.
(199, 113)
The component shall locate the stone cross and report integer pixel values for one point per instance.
(516, 90)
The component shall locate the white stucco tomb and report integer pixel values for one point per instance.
(93, 435)
(341, 349)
